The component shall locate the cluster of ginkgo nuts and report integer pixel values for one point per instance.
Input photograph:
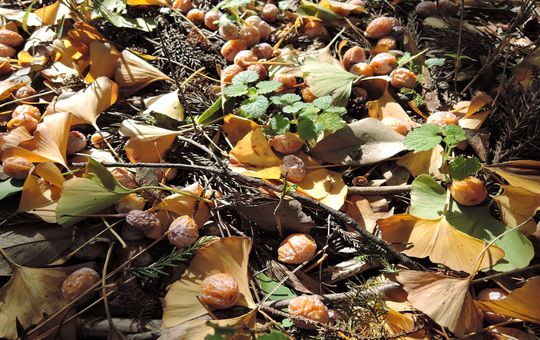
(9, 40)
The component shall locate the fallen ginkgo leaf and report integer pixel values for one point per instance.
(146, 143)
(522, 173)
(134, 73)
(517, 205)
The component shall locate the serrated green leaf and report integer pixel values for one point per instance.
(245, 77)
(256, 107)
(336, 110)
(323, 102)
(267, 86)
(462, 167)
(431, 62)
(329, 122)
(423, 138)
(280, 124)
(286, 99)
(306, 129)
(235, 90)
(290, 109)
(453, 135)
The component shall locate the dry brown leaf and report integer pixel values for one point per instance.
(469, 108)
(146, 143)
(359, 209)
(227, 255)
(236, 127)
(30, 294)
(48, 143)
(386, 106)
(424, 162)
(517, 205)
(87, 104)
(522, 173)
(134, 73)
(444, 299)
(398, 323)
(521, 303)
(439, 241)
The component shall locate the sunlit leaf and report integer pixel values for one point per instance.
(146, 143)
(387, 107)
(166, 104)
(517, 205)
(522, 173)
(134, 73)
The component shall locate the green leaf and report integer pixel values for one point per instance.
(280, 124)
(274, 335)
(404, 59)
(256, 107)
(245, 77)
(9, 187)
(461, 167)
(100, 174)
(231, 4)
(432, 62)
(267, 285)
(207, 116)
(329, 122)
(427, 197)
(309, 9)
(336, 110)
(423, 138)
(323, 103)
(427, 201)
(286, 99)
(306, 129)
(328, 79)
(110, 10)
(287, 323)
(453, 135)
(235, 90)
(294, 108)
(267, 86)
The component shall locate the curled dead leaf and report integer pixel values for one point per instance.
(517, 205)
(134, 73)
(522, 173)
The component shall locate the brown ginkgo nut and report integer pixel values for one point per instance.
(98, 139)
(297, 249)
(231, 48)
(128, 203)
(384, 45)
(287, 80)
(76, 142)
(17, 167)
(380, 27)
(125, 178)
(293, 168)
(383, 63)
(362, 69)
(245, 58)
(183, 232)
(250, 34)
(229, 72)
(145, 222)
(469, 192)
(447, 8)
(286, 143)
(219, 291)
(229, 32)
(5, 66)
(270, 12)
(211, 19)
(354, 55)
(24, 120)
(307, 95)
(426, 9)
(196, 16)
(10, 38)
(78, 282)
(260, 69)
(263, 51)
(182, 5)
(315, 29)
(402, 77)
(25, 109)
(7, 51)
(25, 91)
(308, 307)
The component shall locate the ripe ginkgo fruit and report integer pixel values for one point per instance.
(309, 307)
(442, 118)
(297, 248)
(146, 222)
(293, 169)
(78, 282)
(17, 167)
(183, 232)
(470, 191)
(354, 56)
(219, 291)
(286, 143)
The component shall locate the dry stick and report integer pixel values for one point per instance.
(512, 272)
(385, 190)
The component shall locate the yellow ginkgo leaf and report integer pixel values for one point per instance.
(30, 294)
(39, 198)
(199, 329)
(469, 108)
(398, 323)
(146, 143)
(387, 107)
(521, 303)
(48, 143)
(103, 58)
(167, 104)
(253, 149)
(134, 73)
(181, 204)
(444, 299)
(439, 241)
(53, 13)
(228, 255)
(87, 104)
(236, 127)
(522, 173)
(517, 205)
(424, 162)
(50, 172)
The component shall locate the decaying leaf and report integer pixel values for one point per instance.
(523, 173)
(439, 241)
(521, 303)
(359, 209)
(227, 255)
(517, 205)
(146, 143)
(134, 73)
(102, 60)
(398, 323)
(87, 104)
(364, 142)
(30, 294)
(444, 299)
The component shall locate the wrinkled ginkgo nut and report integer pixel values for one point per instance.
(469, 192)
(10, 38)
(385, 44)
(263, 51)
(78, 282)
(270, 12)
(232, 47)
(308, 307)
(315, 29)
(124, 177)
(260, 69)
(17, 167)
(229, 31)
(25, 109)
(24, 120)
(211, 19)
(381, 27)
(362, 69)
(25, 91)
(402, 77)
(5, 66)
(7, 51)
(250, 34)
(286, 143)
(293, 168)
(219, 291)
(229, 72)
(183, 232)
(288, 81)
(426, 9)
(76, 142)
(245, 58)
(442, 118)
(196, 16)
(354, 55)
(383, 63)
(145, 222)
(264, 28)
(297, 249)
